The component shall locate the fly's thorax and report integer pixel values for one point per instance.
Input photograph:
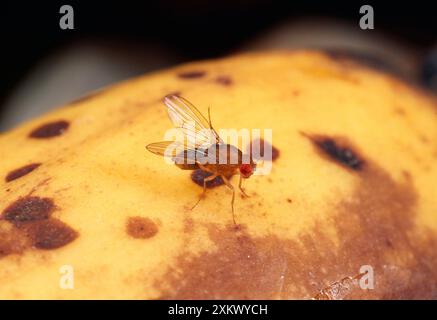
(224, 154)
(223, 159)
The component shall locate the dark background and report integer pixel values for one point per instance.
(191, 29)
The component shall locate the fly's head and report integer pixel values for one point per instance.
(247, 169)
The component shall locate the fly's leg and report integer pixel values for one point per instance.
(205, 180)
(230, 186)
(241, 188)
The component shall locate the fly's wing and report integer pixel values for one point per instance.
(177, 151)
(197, 130)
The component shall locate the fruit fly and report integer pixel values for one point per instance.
(202, 147)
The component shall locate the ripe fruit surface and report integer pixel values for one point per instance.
(352, 184)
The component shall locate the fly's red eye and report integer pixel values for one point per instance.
(246, 169)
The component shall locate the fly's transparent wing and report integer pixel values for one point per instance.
(165, 148)
(177, 151)
(193, 124)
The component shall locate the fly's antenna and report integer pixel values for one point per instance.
(209, 117)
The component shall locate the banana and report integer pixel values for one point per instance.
(349, 209)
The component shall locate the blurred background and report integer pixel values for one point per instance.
(44, 67)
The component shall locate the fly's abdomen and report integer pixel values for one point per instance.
(187, 166)
(186, 160)
(226, 161)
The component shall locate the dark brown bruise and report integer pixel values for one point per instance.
(18, 173)
(12, 240)
(374, 226)
(175, 93)
(199, 175)
(28, 209)
(49, 234)
(224, 80)
(141, 228)
(195, 74)
(27, 223)
(337, 149)
(257, 148)
(50, 130)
